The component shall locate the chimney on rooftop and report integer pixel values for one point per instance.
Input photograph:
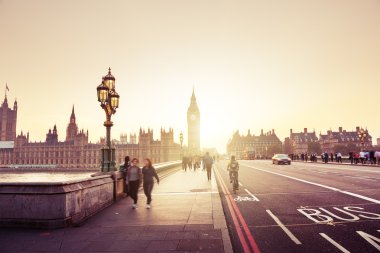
(305, 130)
(291, 131)
(340, 129)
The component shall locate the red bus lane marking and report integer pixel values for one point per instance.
(243, 223)
(234, 218)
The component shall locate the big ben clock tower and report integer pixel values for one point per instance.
(193, 126)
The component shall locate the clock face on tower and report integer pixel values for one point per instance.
(193, 117)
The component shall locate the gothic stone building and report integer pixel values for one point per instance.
(8, 119)
(239, 145)
(331, 140)
(77, 152)
(298, 143)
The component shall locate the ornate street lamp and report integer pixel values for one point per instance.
(109, 101)
(181, 140)
(362, 136)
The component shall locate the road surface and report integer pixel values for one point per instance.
(302, 207)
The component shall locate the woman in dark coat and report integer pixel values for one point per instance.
(149, 173)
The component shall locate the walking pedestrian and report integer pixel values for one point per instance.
(149, 172)
(134, 180)
(339, 157)
(351, 157)
(362, 156)
(208, 162)
(189, 163)
(124, 169)
(184, 163)
(326, 157)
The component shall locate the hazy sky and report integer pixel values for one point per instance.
(255, 64)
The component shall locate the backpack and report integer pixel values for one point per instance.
(208, 161)
(234, 166)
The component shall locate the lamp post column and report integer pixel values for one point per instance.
(109, 101)
(362, 136)
(109, 162)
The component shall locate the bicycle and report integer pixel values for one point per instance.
(234, 181)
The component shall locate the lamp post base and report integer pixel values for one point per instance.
(108, 160)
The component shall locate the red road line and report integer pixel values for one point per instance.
(234, 218)
(237, 212)
(251, 240)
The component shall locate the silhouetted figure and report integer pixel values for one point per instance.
(351, 157)
(124, 169)
(372, 157)
(184, 163)
(189, 163)
(208, 162)
(326, 157)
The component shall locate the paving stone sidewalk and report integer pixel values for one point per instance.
(186, 216)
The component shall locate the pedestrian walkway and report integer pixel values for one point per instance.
(186, 216)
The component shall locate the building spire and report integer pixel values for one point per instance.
(193, 98)
(6, 89)
(72, 117)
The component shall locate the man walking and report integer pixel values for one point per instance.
(208, 162)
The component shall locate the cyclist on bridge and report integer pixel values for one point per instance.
(233, 168)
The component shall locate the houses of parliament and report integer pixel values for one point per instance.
(76, 152)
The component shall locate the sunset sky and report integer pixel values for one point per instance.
(254, 64)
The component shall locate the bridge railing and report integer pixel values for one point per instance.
(167, 165)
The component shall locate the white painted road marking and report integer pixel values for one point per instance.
(244, 199)
(282, 226)
(326, 216)
(370, 239)
(320, 185)
(250, 193)
(337, 245)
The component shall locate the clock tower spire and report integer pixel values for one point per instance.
(193, 126)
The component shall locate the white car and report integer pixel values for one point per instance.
(281, 159)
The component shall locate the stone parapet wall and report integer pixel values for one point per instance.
(53, 205)
(61, 204)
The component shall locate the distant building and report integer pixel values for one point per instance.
(123, 138)
(257, 146)
(8, 120)
(298, 143)
(343, 138)
(77, 152)
(378, 142)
